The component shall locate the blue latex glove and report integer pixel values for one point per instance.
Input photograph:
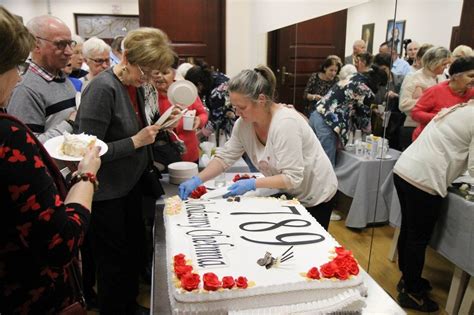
(241, 187)
(186, 188)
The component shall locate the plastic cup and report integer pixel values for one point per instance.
(188, 121)
(220, 181)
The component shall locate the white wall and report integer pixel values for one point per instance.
(65, 9)
(427, 21)
(248, 21)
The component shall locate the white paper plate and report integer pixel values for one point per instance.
(165, 116)
(172, 121)
(386, 157)
(217, 193)
(183, 93)
(53, 146)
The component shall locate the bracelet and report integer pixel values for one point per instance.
(70, 122)
(76, 178)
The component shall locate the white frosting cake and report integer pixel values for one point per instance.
(77, 145)
(218, 261)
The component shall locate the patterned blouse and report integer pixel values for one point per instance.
(347, 106)
(318, 86)
(221, 113)
(39, 234)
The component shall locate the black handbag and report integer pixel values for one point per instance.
(151, 178)
(79, 306)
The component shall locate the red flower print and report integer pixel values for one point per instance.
(3, 150)
(190, 281)
(17, 156)
(228, 282)
(13, 128)
(70, 244)
(75, 217)
(46, 215)
(55, 241)
(211, 281)
(313, 273)
(57, 201)
(24, 229)
(30, 204)
(241, 282)
(38, 162)
(15, 191)
(29, 139)
(50, 273)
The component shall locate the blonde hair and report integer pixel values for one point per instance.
(462, 51)
(434, 57)
(252, 83)
(16, 43)
(149, 47)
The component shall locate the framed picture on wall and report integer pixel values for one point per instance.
(396, 34)
(368, 36)
(106, 27)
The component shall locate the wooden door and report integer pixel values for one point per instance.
(196, 27)
(296, 51)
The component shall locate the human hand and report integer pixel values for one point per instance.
(145, 136)
(186, 188)
(241, 187)
(392, 94)
(206, 132)
(91, 161)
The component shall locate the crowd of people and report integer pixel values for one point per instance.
(52, 82)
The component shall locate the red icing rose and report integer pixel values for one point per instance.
(179, 260)
(328, 270)
(343, 261)
(190, 281)
(241, 282)
(228, 282)
(181, 270)
(341, 251)
(313, 273)
(211, 281)
(353, 269)
(198, 192)
(238, 177)
(341, 274)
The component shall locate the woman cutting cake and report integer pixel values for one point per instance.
(279, 142)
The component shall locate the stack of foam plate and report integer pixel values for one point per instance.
(182, 171)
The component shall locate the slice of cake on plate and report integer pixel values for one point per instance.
(77, 145)
(256, 255)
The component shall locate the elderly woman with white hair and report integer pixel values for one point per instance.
(97, 55)
(434, 61)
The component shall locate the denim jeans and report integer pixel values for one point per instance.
(325, 134)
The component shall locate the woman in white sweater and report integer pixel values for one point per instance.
(434, 61)
(422, 175)
(278, 141)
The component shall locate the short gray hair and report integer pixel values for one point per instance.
(434, 57)
(252, 83)
(462, 51)
(78, 39)
(96, 45)
(41, 25)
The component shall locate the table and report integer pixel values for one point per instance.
(453, 237)
(378, 301)
(358, 178)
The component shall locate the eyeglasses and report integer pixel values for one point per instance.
(143, 75)
(22, 68)
(101, 61)
(61, 44)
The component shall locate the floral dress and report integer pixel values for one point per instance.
(39, 234)
(221, 113)
(347, 106)
(318, 86)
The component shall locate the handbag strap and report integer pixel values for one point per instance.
(76, 283)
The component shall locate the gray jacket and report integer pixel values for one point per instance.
(107, 112)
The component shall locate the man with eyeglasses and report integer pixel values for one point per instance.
(44, 100)
(97, 55)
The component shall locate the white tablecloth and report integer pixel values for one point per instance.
(358, 178)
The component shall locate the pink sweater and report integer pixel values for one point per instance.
(433, 100)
